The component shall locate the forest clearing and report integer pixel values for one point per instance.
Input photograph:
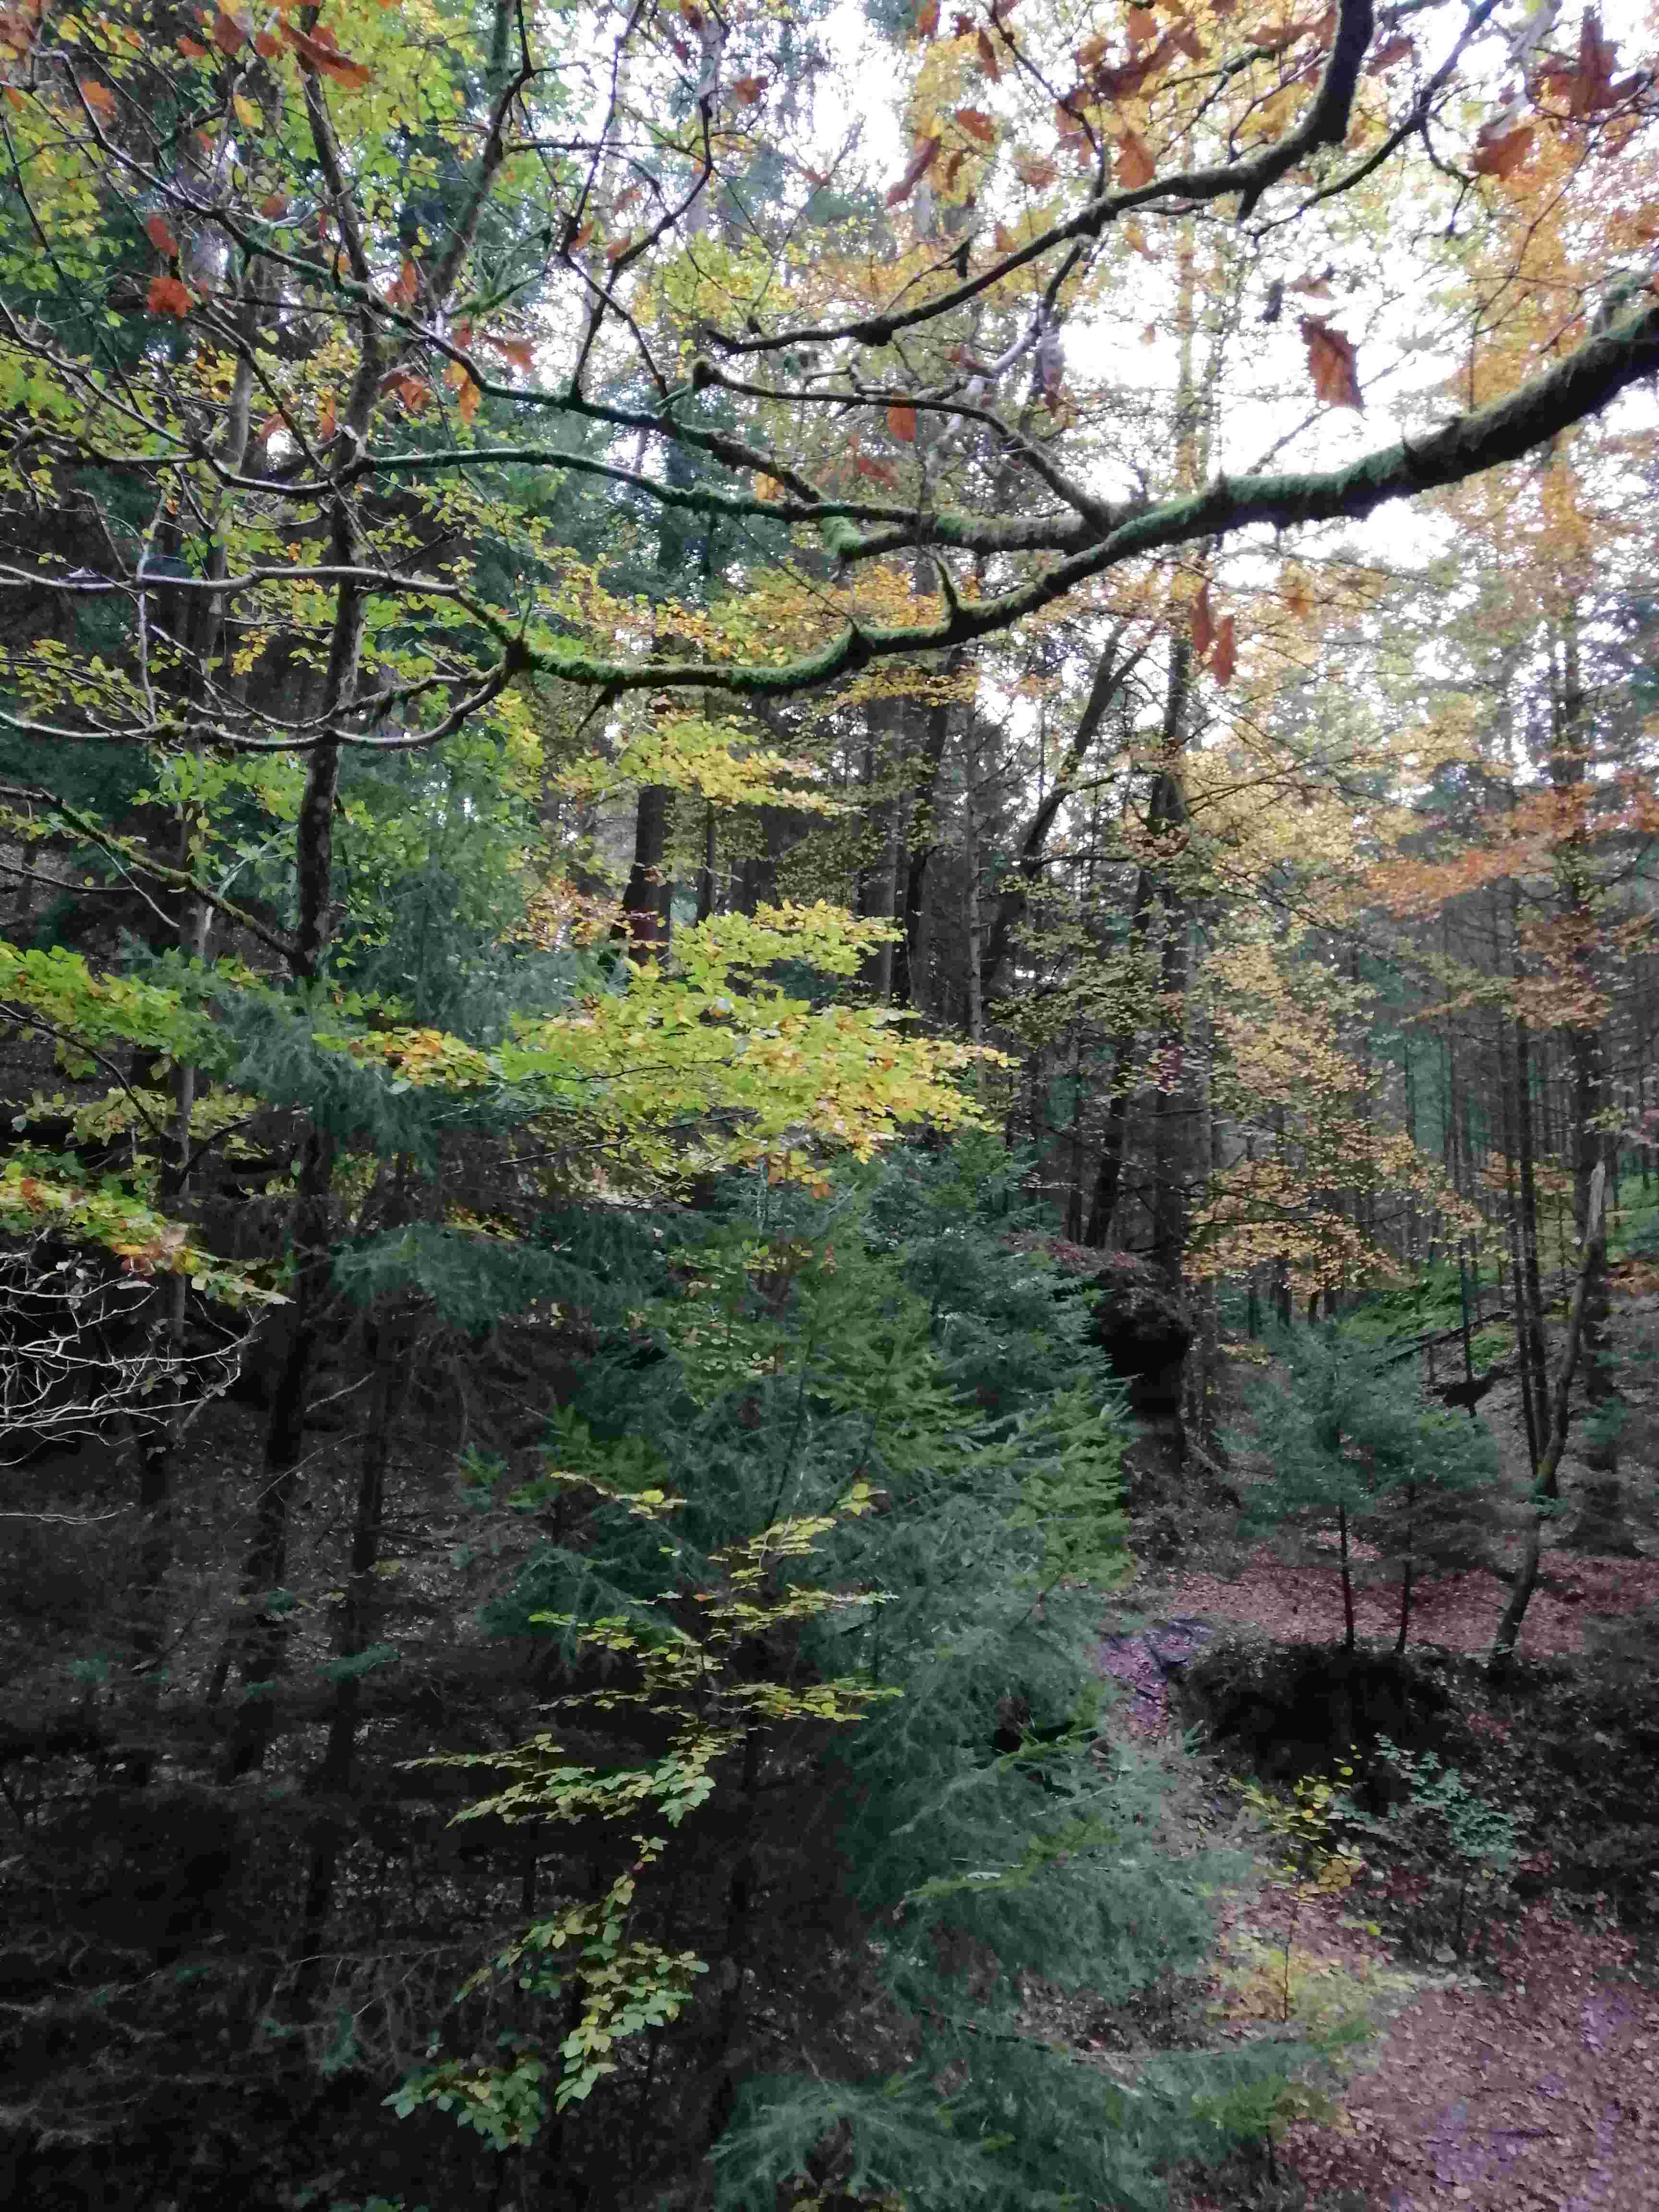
(829, 1216)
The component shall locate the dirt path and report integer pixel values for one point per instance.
(1540, 2096)
(1537, 2093)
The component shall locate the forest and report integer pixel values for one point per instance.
(828, 1216)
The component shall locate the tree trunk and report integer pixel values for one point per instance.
(1545, 1491)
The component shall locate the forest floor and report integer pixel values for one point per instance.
(1529, 2082)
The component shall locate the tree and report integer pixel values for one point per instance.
(1357, 1449)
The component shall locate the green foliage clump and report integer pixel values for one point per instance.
(842, 1604)
(1356, 1450)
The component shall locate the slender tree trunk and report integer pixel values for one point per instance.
(387, 1357)
(1407, 1569)
(1545, 1491)
(970, 907)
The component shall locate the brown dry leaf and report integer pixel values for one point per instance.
(1203, 625)
(1141, 27)
(979, 126)
(1331, 365)
(927, 20)
(1400, 48)
(167, 296)
(273, 205)
(1135, 165)
(618, 247)
(987, 56)
(1003, 239)
(1502, 152)
(1035, 172)
(746, 90)
(160, 232)
(923, 159)
(192, 49)
(901, 423)
(1184, 37)
(99, 97)
(267, 44)
(229, 35)
(1224, 658)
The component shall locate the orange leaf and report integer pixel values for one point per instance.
(927, 20)
(97, 97)
(901, 423)
(456, 373)
(921, 161)
(1203, 625)
(466, 404)
(160, 234)
(267, 43)
(1331, 364)
(519, 351)
(580, 239)
(1035, 173)
(325, 424)
(320, 54)
(1141, 25)
(1501, 153)
(768, 488)
(268, 429)
(167, 296)
(1090, 52)
(746, 90)
(192, 50)
(978, 125)
(228, 35)
(273, 205)
(1224, 658)
(1135, 165)
(1004, 239)
(618, 247)
(987, 56)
